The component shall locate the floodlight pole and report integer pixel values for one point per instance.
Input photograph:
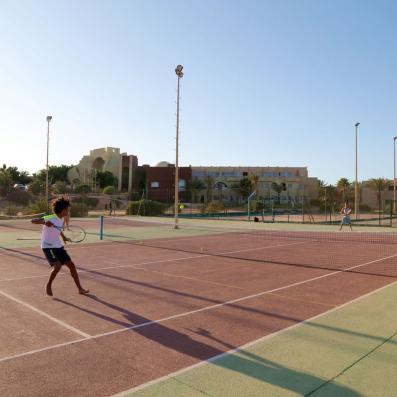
(179, 73)
(49, 118)
(356, 209)
(394, 176)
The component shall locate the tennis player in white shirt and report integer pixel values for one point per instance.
(52, 246)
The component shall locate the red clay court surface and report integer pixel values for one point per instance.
(151, 309)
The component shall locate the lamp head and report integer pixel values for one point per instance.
(357, 124)
(49, 118)
(178, 71)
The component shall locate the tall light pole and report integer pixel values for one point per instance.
(356, 209)
(49, 118)
(179, 73)
(394, 176)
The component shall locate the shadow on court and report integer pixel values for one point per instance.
(243, 362)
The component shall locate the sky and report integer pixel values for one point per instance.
(267, 83)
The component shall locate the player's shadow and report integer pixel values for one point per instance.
(184, 294)
(201, 345)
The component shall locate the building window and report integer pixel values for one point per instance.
(231, 174)
(154, 184)
(182, 184)
(245, 173)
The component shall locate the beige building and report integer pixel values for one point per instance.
(104, 159)
(370, 197)
(297, 182)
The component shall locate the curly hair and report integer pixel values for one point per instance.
(60, 204)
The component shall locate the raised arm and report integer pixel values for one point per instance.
(41, 221)
(37, 221)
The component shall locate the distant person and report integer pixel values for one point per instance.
(52, 246)
(111, 208)
(345, 212)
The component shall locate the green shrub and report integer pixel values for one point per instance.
(109, 190)
(20, 197)
(146, 208)
(39, 207)
(79, 210)
(135, 196)
(12, 211)
(82, 189)
(257, 206)
(60, 187)
(212, 208)
(90, 202)
(36, 187)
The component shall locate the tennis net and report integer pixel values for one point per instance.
(366, 252)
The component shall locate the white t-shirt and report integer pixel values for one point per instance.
(50, 236)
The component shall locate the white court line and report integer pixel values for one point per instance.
(44, 314)
(93, 270)
(247, 345)
(203, 309)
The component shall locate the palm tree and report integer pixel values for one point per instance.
(378, 185)
(278, 188)
(254, 178)
(209, 184)
(6, 180)
(343, 184)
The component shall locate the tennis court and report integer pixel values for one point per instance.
(211, 309)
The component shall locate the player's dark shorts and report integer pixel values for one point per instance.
(56, 255)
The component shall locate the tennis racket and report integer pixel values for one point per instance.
(75, 234)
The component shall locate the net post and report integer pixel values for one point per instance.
(101, 228)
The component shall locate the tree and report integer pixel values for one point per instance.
(37, 187)
(24, 178)
(278, 188)
(109, 190)
(6, 180)
(60, 187)
(17, 176)
(196, 186)
(378, 185)
(55, 173)
(244, 187)
(344, 185)
(105, 178)
(209, 185)
(82, 189)
(254, 178)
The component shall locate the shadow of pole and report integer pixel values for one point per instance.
(244, 363)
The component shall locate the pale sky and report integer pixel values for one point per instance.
(266, 82)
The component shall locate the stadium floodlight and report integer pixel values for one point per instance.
(179, 73)
(356, 209)
(394, 176)
(49, 118)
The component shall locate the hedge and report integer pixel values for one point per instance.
(146, 208)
